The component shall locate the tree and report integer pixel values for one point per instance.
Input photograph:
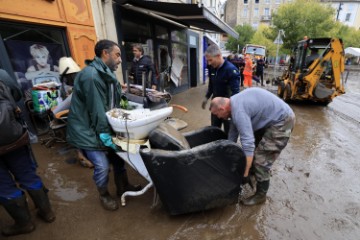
(349, 35)
(260, 38)
(245, 32)
(303, 18)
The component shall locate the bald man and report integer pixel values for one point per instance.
(264, 123)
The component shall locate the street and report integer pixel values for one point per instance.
(314, 191)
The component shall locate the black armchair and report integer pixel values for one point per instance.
(196, 171)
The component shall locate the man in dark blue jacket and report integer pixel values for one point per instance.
(260, 64)
(224, 81)
(142, 64)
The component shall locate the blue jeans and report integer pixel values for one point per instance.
(102, 161)
(17, 166)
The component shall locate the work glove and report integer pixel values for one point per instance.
(247, 180)
(107, 141)
(204, 102)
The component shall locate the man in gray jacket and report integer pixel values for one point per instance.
(264, 123)
(96, 91)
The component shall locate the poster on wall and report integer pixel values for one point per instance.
(34, 63)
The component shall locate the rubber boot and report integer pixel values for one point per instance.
(123, 185)
(42, 202)
(106, 200)
(19, 211)
(260, 195)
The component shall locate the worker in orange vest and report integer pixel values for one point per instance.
(248, 70)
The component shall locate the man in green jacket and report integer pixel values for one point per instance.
(96, 91)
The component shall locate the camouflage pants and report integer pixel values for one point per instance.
(269, 143)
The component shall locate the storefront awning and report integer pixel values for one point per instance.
(191, 15)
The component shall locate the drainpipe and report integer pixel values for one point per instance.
(102, 19)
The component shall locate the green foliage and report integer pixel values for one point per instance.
(260, 38)
(245, 32)
(349, 35)
(299, 18)
(303, 18)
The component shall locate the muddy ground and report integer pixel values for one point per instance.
(314, 191)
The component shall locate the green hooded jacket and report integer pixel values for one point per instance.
(95, 92)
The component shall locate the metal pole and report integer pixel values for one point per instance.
(276, 59)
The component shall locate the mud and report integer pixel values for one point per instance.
(314, 190)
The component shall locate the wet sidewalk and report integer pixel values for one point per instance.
(312, 194)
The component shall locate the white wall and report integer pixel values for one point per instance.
(105, 25)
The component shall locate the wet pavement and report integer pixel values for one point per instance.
(314, 191)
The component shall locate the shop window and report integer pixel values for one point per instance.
(147, 46)
(179, 64)
(161, 32)
(178, 36)
(136, 29)
(33, 52)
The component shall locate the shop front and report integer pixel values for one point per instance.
(34, 35)
(170, 34)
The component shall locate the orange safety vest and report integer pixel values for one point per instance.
(248, 67)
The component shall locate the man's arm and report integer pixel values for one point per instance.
(243, 123)
(234, 81)
(249, 160)
(93, 97)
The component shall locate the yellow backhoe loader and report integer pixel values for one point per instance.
(315, 71)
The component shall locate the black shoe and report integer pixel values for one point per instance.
(257, 198)
(260, 196)
(19, 211)
(42, 202)
(123, 185)
(17, 229)
(107, 201)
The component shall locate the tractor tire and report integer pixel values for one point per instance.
(280, 90)
(287, 93)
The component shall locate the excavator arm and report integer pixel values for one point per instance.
(333, 54)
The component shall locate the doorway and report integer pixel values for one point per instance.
(193, 67)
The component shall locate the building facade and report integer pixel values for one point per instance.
(172, 34)
(347, 12)
(252, 12)
(66, 28)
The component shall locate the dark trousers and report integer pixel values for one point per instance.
(241, 79)
(17, 167)
(261, 76)
(217, 122)
(102, 161)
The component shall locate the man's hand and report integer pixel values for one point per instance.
(204, 102)
(107, 141)
(247, 180)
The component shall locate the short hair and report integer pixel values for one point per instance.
(213, 50)
(139, 47)
(38, 49)
(217, 102)
(104, 44)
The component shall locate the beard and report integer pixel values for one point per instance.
(111, 63)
